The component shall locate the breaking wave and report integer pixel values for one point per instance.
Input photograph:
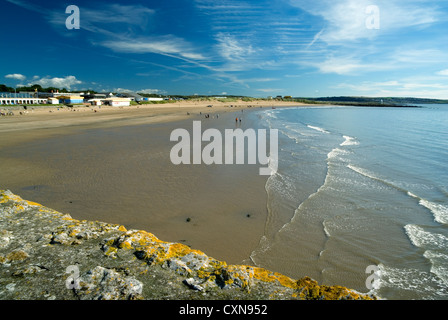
(439, 211)
(317, 129)
(349, 141)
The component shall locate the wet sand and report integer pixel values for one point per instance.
(113, 165)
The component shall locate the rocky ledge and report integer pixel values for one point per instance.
(45, 254)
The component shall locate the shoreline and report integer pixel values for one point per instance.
(97, 114)
(30, 166)
(45, 121)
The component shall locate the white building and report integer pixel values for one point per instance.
(7, 98)
(96, 102)
(53, 101)
(118, 102)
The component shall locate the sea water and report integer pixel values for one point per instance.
(357, 187)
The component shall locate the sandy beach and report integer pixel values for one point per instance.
(56, 117)
(113, 165)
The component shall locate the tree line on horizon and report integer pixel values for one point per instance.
(335, 100)
(4, 88)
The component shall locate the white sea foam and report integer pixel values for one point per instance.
(317, 129)
(263, 247)
(424, 285)
(291, 134)
(336, 152)
(439, 211)
(362, 172)
(425, 239)
(282, 186)
(413, 195)
(327, 233)
(349, 141)
(439, 262)
(271, 114)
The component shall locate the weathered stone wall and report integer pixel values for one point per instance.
(45, 254)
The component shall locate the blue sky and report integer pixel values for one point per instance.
(256, 48)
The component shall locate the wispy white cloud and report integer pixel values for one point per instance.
(403, 88)
(348, 66)
(369, 59)
(107, 19)
(409, 55)
(225, 14)
(233, 49)
(66, 82)
(261, 79)
(442, 72)
(268, 44)
(147, 91)
(25, 5)
(165, 45)
(16, 76)
(339, 66)
(316, 37)
(116, 13)
(270, 90)
(120, 27)
(346, 19)
(151, 91)
(59, 82)
(221, 5)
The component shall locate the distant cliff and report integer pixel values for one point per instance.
(45, 254)
(374, 101)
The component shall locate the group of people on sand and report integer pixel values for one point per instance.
(207, 116)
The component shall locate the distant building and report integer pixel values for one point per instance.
(117, 102)
(56, 94)
(53, 100)
(45, 94)
(132, 95)
(96, 102)
(70, 99)
(9, 98)
(89, 96)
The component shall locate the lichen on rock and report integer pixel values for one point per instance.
(107, 284)
(40, 248)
